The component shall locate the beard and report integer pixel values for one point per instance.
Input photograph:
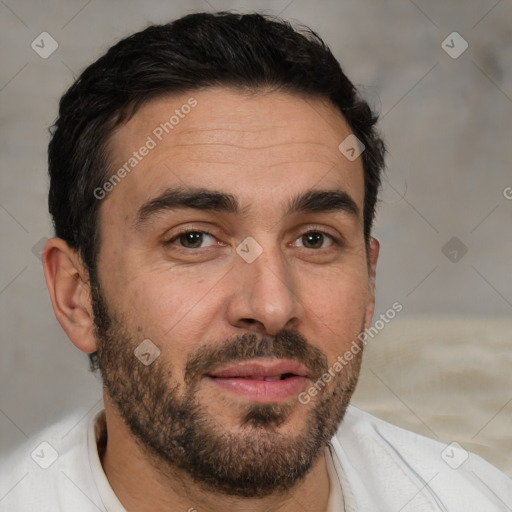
(177, 433)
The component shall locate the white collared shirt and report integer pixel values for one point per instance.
(373, 466)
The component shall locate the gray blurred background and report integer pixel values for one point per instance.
(444, 220)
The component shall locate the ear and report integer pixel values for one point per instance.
(68, 285)
(373, 256)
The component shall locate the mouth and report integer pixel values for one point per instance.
(262, 380)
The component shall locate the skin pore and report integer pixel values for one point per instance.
(173, 275)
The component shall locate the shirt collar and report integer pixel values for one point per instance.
(96, 440)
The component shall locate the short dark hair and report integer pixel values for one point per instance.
(247, 51)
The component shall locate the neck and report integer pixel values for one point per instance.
(142, 484)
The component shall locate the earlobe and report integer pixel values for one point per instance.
(68, 286)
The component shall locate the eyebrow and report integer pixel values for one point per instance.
(312, 201)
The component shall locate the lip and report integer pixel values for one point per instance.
(263, 367)
(250, 379)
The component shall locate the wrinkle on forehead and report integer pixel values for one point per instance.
(278, 136)
(231, 117)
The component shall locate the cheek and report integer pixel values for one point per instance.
(336, 307)
(173, 311)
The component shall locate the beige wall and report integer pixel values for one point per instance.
(447, 123)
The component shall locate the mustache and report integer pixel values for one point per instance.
(285, 344)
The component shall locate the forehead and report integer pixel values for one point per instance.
(268, 144)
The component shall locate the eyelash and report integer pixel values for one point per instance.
(336, 241)
(184, 232)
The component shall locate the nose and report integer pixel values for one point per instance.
(265, 295)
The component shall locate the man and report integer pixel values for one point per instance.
(213, 188)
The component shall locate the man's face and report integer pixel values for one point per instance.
(243, 325)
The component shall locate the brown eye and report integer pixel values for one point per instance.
(315, 240)
(193, 239)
